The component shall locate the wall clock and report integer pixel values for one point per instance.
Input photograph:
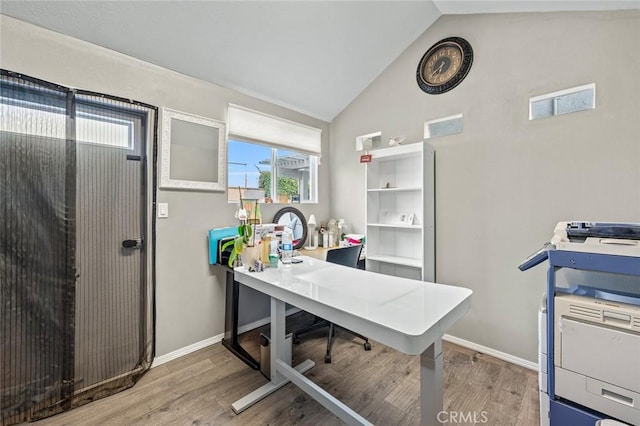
(444, 65)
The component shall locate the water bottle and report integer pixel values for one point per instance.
(287, 246)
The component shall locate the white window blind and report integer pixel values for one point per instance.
(254, 125)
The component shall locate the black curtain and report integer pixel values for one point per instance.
(65, 338)
(37, 189)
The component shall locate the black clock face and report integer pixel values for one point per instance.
(444, 65)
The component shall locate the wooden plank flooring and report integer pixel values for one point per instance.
(382, 385)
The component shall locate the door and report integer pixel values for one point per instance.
(75, 283)
(111, 242)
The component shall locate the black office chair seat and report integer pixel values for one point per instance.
(346, 256)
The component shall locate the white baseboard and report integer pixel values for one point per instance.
(162, 359)
(264, 321)
(494, 353)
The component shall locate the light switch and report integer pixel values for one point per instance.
(163, 210)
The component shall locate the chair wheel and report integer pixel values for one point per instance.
(367, 346)
(327, 359)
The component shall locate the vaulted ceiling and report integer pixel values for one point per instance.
(314, 57)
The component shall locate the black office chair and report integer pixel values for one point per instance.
(346, 256)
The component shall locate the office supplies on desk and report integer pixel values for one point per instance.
(354, 238)
(312, 236)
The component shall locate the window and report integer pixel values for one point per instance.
(443, 126)
(96, 128)
(270, 174)
(566, 101)
(271, 159)
(95, 123)
(108, 124)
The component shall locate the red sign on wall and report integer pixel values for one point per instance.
(365, 158)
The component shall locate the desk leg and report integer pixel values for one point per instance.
(230, 340)
(278, 343)
(277, 347)
(431, 384)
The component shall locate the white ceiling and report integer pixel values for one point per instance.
(314, 57)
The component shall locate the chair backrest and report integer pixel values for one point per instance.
(347, 256)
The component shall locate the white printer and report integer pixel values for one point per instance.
(597, 355)
(591, 339)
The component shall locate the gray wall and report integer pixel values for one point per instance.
(503, 184)
(190, 293)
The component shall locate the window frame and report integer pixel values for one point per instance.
(314, 162)
(87, 110)
(94, 111)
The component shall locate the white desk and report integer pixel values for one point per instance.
(408, 315)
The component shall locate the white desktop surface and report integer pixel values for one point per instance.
(408, 315)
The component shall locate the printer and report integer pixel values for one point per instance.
(589, 331)
(598, 237)
(589, 237)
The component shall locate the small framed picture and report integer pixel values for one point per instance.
(398, 218)
(408, 219)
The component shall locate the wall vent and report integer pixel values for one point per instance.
(566, 101)
(369, 141)
(443, 126)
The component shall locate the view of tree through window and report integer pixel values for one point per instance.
(270, 174)
(288, 186)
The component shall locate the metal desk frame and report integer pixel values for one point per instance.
(230, 339)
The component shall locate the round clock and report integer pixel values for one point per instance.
(444, 65)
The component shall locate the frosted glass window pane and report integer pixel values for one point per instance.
(541, 109)
(575, 102)
(443, 126)
(563, 102)
(116, 133)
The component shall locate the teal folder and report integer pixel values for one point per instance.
(216, 235)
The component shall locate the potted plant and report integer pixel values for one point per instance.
(246, 234)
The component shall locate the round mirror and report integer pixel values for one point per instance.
(293, 219)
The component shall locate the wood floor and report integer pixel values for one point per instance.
(382, 385)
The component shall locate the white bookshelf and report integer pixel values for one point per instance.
(400, 211)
